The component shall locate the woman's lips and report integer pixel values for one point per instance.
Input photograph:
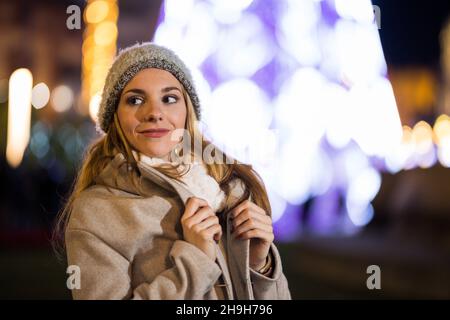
(157, 133)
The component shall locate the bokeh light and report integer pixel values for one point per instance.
(40, 95)
(62, 98)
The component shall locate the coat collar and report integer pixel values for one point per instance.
(236, 249)
(116, 175)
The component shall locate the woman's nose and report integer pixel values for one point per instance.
(152, 112)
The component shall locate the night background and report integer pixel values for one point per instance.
(360, 206)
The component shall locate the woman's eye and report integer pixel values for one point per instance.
(135, 101)
(170, 99)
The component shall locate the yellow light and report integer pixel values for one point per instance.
(96, 11)
(88, 45)
(99, 47)
(105, 33)
(407, 135)
(95, 87)
(407, 145)
(441, 128)
(19, 115)
(444, 151)
(94, 105)
(423, 137)
(113, 12)
(442, 138)
(100, 70)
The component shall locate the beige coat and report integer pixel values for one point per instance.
(130, 245)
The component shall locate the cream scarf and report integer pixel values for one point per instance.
(197, 179)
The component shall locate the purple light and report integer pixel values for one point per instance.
(297, 54)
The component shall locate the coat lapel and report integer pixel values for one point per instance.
(148, 172)
(239, 268)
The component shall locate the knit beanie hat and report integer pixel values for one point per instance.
(128, 63)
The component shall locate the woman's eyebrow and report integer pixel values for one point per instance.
(136, 90)
(167, 89)
(143, 92)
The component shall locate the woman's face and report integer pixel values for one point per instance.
(151, 107)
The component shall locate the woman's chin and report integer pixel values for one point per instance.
(156, 152)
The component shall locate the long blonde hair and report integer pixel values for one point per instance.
(105, 148)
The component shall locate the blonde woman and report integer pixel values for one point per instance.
(141, 225)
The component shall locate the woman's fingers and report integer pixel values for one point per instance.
(214, 231)
(257, 233)
(201, 219)
(199, 216)
(247, 205)
(200, 226)
(251, 221)
(250, 225)
(208, 222)
(251, 215)
(192, 205)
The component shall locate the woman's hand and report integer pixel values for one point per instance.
(252, 222)
(201, 226)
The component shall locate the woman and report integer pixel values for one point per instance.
(141, 225)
